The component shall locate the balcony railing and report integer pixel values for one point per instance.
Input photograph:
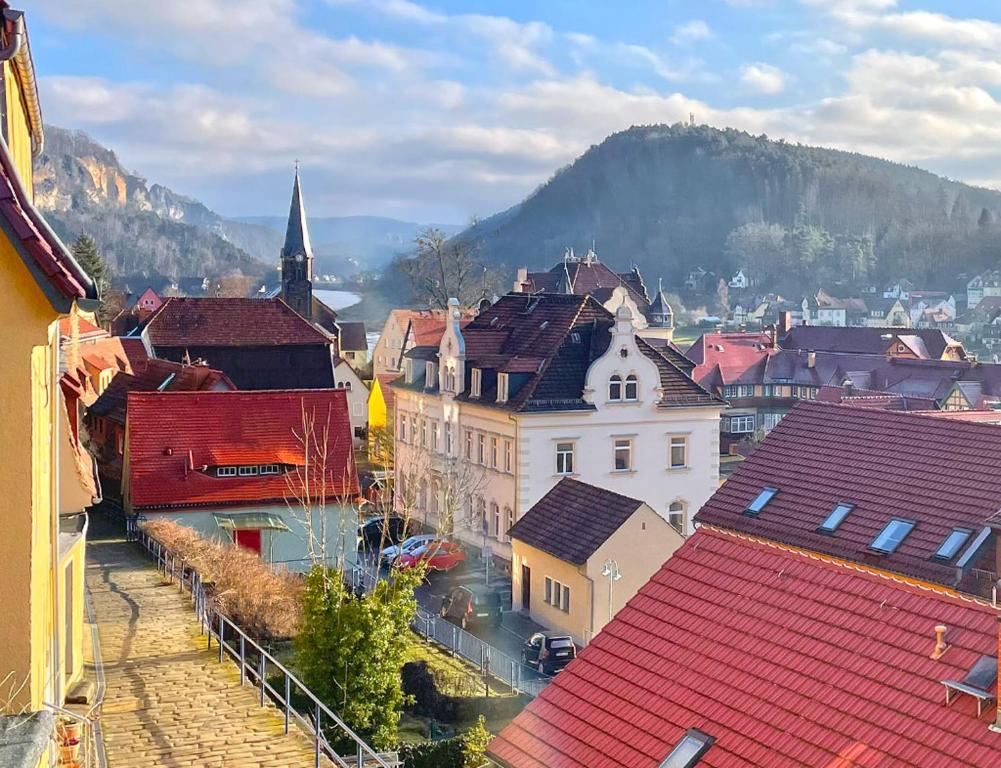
(291, 696)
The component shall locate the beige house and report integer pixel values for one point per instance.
(582, 552)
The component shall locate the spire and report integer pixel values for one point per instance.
(661, 314)
(297, 233)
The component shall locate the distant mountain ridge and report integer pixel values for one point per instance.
(671, 199)
(146, 229)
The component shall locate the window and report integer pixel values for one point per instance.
(837, 516)
(448, 439)
(508, 456)
(493, 453)
(741, 424)
(760, 500)
(771, 420)
(689, 751)
(450, 379)
(557, 595)
(434, 435)
(408, 370)
(474, 384)
(495, 519)
(564, 458)
(481, 451)
(676, 516)
(615, 388)
(502, 385)
(950, 547)
(768, 390)
(549, 590)
(248, 471)
(225, 472)
(565, 605)
(424, 433)
(269, 469)
(403, 428)
(347, 385)
(469, 444)
(481, 513)
(413, 429)
(508, 522)
(892, 535)
(623, 455)
(679, 452)
(429, 375)
(729, 391)
(632, 387)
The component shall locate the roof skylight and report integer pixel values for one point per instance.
(837, 516)
(952, 544)
(893, 533)
(759, 501)
(689, 750)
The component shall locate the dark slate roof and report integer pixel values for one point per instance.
(867, 341)
(938, 473)
(352, 336)
(589, 277)
(296, 232)
(573, 520)
(229, 322)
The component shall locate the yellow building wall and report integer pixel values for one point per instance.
(640, 546)
(377, 420)
(18, 135)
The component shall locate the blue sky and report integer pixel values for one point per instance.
(440, 111)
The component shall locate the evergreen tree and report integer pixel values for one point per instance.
(90, 260)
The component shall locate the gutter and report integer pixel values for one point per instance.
(18, 52)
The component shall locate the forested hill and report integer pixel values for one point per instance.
(672, 198)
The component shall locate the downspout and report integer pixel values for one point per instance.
(590, 590)
(14, 30)
(57, 635)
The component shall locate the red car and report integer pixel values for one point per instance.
(440, 555)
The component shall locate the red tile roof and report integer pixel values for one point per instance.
(938, 473)
(157, 375)
(722, 358)
(166, 430)
(787, 660)
(84, 328)
(36, 241)
(230, 322)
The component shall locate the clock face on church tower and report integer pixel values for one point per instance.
(298, 257)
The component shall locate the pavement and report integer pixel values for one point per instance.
(168, 701)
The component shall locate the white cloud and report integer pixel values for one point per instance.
(763, 78)
(691, 32)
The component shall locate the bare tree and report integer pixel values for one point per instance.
(443, 268)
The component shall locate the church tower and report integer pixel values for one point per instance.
(297, 257)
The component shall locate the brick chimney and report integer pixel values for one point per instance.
(785, 321)
(811, 359)
(521, 281)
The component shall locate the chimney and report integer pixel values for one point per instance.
(940, 645)
(811, 359)
(847, 388)
(521, 281)
(774, 336)
(785, 321)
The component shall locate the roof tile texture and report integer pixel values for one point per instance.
(232, 428)
(786, 660)
(230, 322)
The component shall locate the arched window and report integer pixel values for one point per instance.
(631, 387)
(495, 520)
(676, 515)
(615, 388)
(347, 385)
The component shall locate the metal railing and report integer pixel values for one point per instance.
(88, 754)
(256, 664)
(459, 642)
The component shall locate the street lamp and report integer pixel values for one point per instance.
(610, 569)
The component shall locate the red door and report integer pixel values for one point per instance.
(248, 539)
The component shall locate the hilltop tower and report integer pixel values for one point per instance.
(297, 256)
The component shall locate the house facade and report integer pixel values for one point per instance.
(538, 388)
(43, 518)
(235, 466)
(349, 380)
(581, 553)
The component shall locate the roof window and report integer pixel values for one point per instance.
(978, 683)
(893, 533)
(837, 516)
(760, 501)
(688, 752)
(953, 542)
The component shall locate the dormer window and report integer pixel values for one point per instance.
(502, 387)
(615, 388)
(429, 374)
(408, 370)
(450, 378)
(632, 387)
(474, 384)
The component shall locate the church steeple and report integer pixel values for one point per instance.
(297, 256)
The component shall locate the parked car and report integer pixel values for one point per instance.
(440, 555)
(472, 605)
(376, 532)
(548, 652)
(390, 553)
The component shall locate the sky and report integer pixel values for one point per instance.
(445, 110)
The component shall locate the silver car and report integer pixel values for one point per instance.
(389, 554)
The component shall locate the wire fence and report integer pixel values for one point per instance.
(262, 670)
(490, 661)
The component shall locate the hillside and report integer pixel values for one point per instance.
(140, 228)
(673, 198)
